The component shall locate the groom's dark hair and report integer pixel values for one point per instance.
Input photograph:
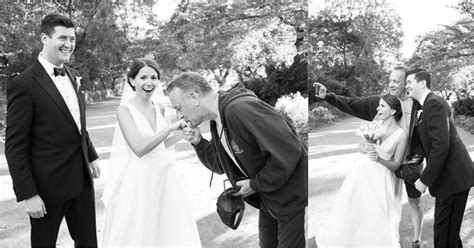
(421, 74)
(51, 21)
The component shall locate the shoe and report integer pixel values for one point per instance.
(416, 244)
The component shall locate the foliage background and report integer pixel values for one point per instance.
(354, 44)
(259, 43)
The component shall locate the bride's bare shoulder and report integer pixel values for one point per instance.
(123, 110)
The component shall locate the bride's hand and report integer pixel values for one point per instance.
(180, 124)
(373, 155)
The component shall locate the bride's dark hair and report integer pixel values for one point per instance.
(394, 104)
(137, 65)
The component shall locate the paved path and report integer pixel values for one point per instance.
(195, 181)
(332, 150)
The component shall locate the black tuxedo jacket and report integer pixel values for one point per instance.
(449, 167)
(366, 109)
(46, 153)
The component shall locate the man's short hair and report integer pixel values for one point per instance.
(189, 81)
(51, 21)
(401, 68)
(421, 74)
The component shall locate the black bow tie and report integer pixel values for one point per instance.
(59, 71)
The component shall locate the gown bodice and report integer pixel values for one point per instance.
(145, 129)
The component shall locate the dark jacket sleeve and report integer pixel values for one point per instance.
(275, 140)
(436, 118)
(208, 156)
(91, 152)
(20, 113)
(361, 107)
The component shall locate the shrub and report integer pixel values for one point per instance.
(464, 107)
(322, 114)
(295, 108)
(466, 122)
(92, 97)
(319, 117)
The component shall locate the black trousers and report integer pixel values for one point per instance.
(285, 233)
(80, 219)
(449, 211)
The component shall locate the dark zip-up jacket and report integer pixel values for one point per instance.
(266, 148)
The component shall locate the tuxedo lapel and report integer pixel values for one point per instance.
(44, 80)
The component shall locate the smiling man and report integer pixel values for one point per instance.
(449, 171)
(257, 150)
(49, 153)
(366, 108)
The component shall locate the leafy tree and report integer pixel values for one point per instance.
(212, 37)
(351, 44)
(447, 52)
(101, 42)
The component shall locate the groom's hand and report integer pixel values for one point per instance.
(245, 189)
(35, 207)
(95, 168)
(420, 186)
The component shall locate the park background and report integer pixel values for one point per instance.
(353, 46)
(276, 48)
(259, 43)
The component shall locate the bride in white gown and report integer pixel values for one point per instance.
(367, 209)
(145, 205)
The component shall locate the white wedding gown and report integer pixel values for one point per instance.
(367, 209)
(147, 206)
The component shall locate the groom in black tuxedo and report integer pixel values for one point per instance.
(449, 171)
(50, 156)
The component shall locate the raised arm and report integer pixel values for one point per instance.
(361, 107)
(138, 144)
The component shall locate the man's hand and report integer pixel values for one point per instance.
(192, 134)
(420, 186)
(95, 168)
(35, 207)
(320, 90)
(245, 189)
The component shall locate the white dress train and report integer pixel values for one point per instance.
(147, 207)
(367, 209)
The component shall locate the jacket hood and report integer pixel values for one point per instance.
(226, 97)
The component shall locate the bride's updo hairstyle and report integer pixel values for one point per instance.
(394, 104)
(137, 65)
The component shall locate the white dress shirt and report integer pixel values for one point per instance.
(65, 88)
